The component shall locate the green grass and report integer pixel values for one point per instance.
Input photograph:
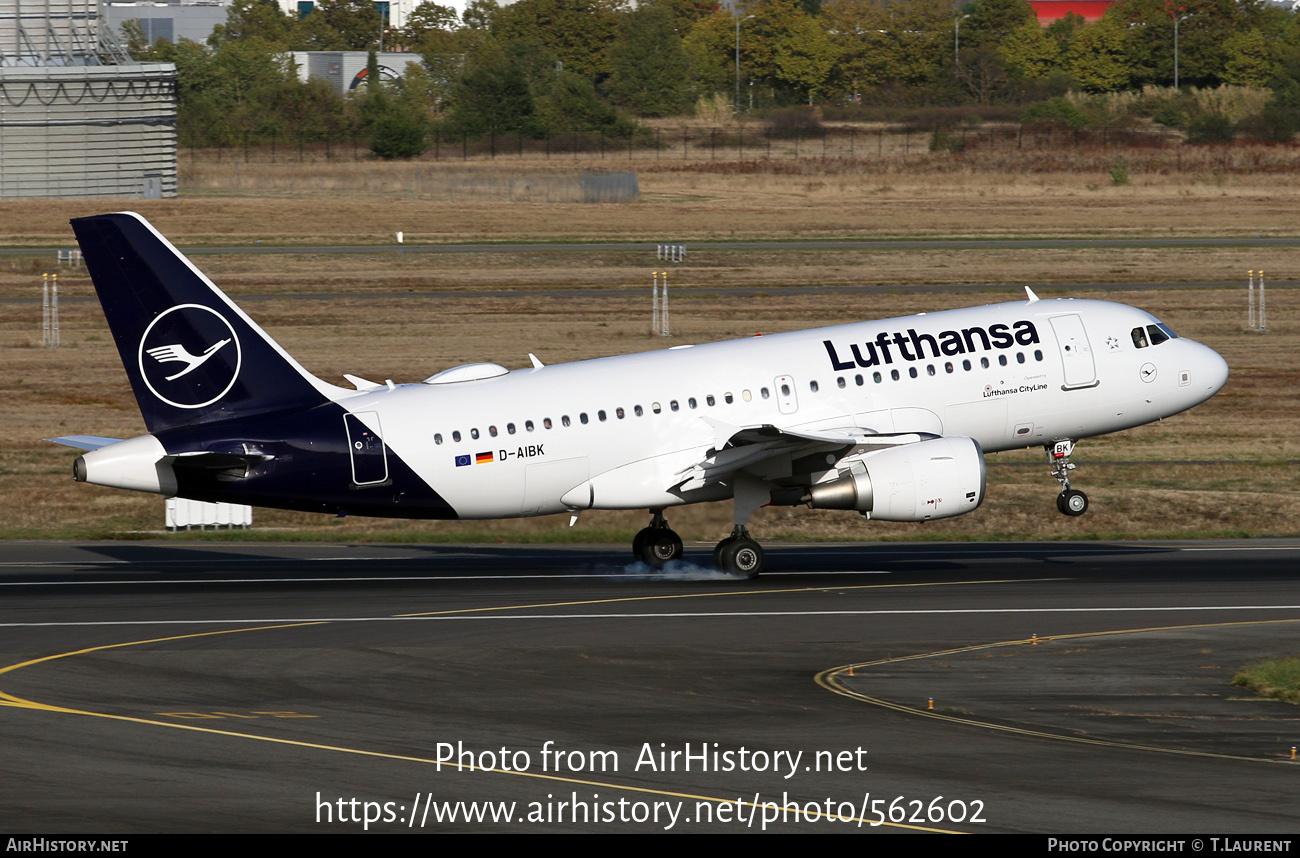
(1277, 678)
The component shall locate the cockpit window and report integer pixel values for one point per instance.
(1159, 333)
(1140, 338)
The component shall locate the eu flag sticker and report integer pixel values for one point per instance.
(483, 458)
(462, 461)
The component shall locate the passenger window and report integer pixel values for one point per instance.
(492, 430)
(840, 382)
(673, 405)
(762, 391)
(565, 421)
(1139, 338)
(1002, 360)
(437, 438)
(911, 370)
(984, 363)
(655, 407)
(600, 415)
(582, 418)
(746, 395)
(528, 424)
(858, 379)
(929, 369)
(947, 367)
(691, 403)
(965, 365)
(1038, 354)
(812, 385)
(473, 433)
(455, 436)
(510, 427)
(619, 412)
(893, 373)
(728, 398)
(547, 422)
(875, 376)
(709, 399)
(1020, 357)
(638, 411)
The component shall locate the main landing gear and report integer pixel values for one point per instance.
(657, 544)
(1070, 501)
(739, 554)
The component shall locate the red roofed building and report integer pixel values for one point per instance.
(1051, 11)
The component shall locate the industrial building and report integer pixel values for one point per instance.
(79, 118)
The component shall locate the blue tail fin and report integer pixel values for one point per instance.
(192, 355)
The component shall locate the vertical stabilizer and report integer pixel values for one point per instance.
(192, 355)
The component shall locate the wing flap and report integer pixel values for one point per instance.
(737, 448)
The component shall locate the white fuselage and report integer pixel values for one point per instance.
(618, 433)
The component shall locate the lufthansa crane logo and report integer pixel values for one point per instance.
(189, 356)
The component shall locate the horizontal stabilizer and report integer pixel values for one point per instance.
(84, 442)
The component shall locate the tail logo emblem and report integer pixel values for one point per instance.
(189, 356)
(176, 352)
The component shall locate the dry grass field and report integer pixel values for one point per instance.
(1226, 468)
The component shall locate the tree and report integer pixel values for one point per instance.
(400, 131)
(906, 43)
(650, 72)
(806, 57)
(493, 97)
(1030, 51)
(479, 14)
(706, 47)
(1247, 61)
(1097, 57)
(570, 103)
(254, 19)
(991, 21)
(578, 32)
(339, 25)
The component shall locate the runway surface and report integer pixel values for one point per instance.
(246, 687)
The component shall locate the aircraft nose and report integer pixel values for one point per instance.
(1211, 371)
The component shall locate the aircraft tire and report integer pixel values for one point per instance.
(718, 549)
(638, 542)
(1072, 502)
(742, 557)
(660, 546)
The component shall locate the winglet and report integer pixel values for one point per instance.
(1030, 293)
(537, 364)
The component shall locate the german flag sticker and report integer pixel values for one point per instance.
(483, 458)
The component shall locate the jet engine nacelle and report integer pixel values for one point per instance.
(938, 478)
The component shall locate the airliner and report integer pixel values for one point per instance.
(890, 419)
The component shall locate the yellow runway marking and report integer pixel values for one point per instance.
(831, 679)
(18, 702)
(725, 593)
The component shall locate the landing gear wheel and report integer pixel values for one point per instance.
(638, 541)
(741, 556)
(659, 546)
(1072, 502)
(717, 551)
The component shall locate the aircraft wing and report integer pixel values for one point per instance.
(739, 448)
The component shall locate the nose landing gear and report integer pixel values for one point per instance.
(1070, 501)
